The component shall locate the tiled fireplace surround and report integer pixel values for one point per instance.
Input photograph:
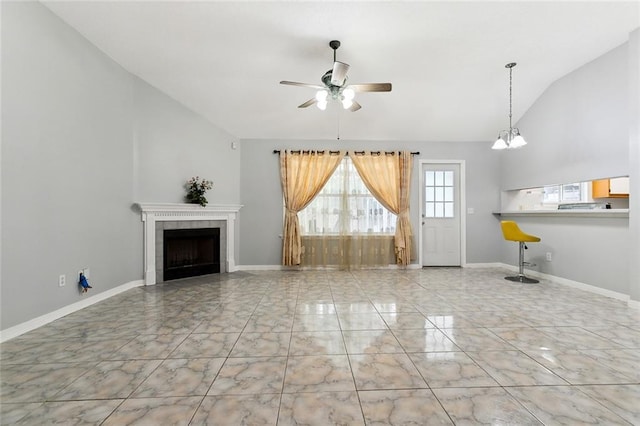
(159, 217)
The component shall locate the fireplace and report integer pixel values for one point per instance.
(158, 218)
(191, 252)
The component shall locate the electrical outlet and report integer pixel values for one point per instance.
(62, 280)
(549, 257)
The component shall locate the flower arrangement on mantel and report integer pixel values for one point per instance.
(196, 188)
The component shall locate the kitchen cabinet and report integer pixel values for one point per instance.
(610, 188)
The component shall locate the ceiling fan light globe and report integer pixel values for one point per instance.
(322, 105)
(499, 144)
(347, 103)
(348, 94)
(321, 96)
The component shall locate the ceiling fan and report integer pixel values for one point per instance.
(335, 86)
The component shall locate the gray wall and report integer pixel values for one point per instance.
(172, 144)
(577, 130)
(592, 251)
(67, 166)
(262, 215)
(82, 140)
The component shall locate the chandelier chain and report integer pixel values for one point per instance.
(510, 138)
(510, 97)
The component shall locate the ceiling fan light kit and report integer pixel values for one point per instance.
(335, 86)
(511, 138)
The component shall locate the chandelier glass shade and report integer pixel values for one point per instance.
(511, 138)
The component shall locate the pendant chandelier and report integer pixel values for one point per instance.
(509, 139)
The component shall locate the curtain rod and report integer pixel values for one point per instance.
(277, 151)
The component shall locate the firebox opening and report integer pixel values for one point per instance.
(191, 252)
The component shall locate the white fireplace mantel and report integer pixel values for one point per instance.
(152, 213)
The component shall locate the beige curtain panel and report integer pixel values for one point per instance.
(302, 174)
(388, 178)
(348, 252)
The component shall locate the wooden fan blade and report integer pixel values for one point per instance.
(308, 103)
(371, 87)
(339, 73)
(355, 106)
(294, 83)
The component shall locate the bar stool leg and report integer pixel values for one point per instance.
(521, 278)
(521, 260)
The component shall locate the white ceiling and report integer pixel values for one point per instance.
(446, 60)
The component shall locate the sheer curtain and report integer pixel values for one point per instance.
(302, 175)
(388, 177)
(345, 226)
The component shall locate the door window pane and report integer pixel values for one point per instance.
(448, 178)
(430, 210)
(448, 209)
(448, 194)
(439, 178)
(429, 193)
(429, 178)
(439, 194)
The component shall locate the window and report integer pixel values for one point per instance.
(345, 192)
(567, 193)
(439, 194)
(551, 194)
(571, 192)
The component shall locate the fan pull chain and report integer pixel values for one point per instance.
(338, 138)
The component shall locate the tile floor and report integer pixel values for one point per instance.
(433, 346)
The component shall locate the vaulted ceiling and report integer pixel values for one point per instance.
(445, 59)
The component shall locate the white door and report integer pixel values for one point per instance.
(441, 214)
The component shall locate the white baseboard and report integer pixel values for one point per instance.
(571, 283)
(411, 266)
(259, 267)
(483, 265)
(30, 325)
